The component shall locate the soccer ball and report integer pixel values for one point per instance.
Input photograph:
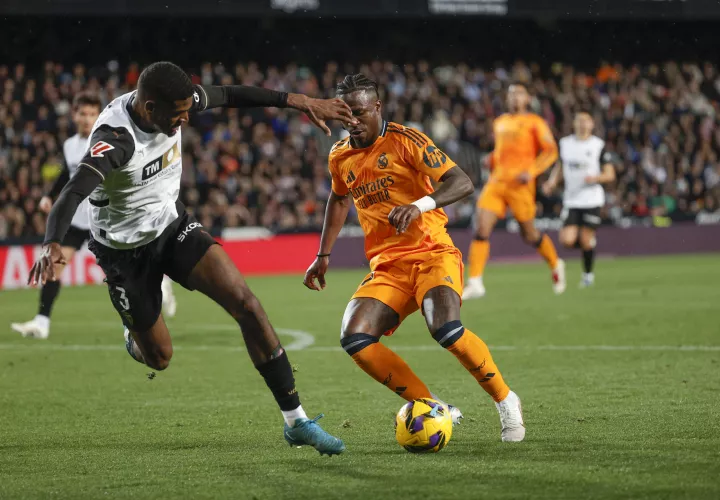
(423, 425)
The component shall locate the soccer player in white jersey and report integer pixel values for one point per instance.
(140, 231)
(86, 109)
(584, 167)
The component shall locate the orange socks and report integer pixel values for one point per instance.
(475, 356)
(546, 248)
(478, 257)
(385, 366)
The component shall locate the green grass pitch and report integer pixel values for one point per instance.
(620, 387)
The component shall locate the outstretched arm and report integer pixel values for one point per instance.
(244, 96)
(336, 213)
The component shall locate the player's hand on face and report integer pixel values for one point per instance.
(45, 204)
(523, 177)
(317, 271)
(44, 268)
(402, 217)
(321, 110)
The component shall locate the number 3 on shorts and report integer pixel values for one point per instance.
(122, 300)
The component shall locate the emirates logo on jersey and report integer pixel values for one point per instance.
(101, 147)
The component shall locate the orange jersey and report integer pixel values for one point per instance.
(523, 143)
(395, 170)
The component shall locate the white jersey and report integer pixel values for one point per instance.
(581, 158)
(141, 178)
(73, 150)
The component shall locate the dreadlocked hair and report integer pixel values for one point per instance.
(165, 81)
(353, 83)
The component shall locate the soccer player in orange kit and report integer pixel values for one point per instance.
(387, 170)
(524, 149)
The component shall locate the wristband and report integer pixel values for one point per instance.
(323, 255)
(425, 204)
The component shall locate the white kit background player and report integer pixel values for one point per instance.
(584, 166)
(140, 231)
(86, 109)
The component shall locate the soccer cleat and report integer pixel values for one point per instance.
(130, 346)
(31, 329)
(169, 304)
(511, 418)
(308, 432)
(455, 414)
(474, 289)
(588, 280)
(558, 277)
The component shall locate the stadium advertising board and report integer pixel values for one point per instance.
(261, 253)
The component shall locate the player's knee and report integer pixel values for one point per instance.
(159, 357)
(244, 303)
(353, 343)
(568, 240)
(449, 333)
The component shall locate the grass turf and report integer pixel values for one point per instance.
(639, 418)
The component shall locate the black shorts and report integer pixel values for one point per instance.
(134, 276)
(75, 237)
(582, 217)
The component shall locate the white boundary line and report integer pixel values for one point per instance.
(303, 342)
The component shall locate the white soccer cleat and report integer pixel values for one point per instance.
(474, 289)
(31, 329)
(588, 280)
(511, 419)
(455, 414)
(169, 304)
(558, 277)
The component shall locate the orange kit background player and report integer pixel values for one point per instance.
(387, 170)
(524, 149)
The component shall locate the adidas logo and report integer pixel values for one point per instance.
(351, 177)
(449, 280)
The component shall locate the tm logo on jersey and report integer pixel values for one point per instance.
(188, 230)
(158, 164)
(433, 157)
(99, 148)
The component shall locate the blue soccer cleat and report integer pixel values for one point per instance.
(306, 431)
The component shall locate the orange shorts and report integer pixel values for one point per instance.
(402, 283)
(497, 197)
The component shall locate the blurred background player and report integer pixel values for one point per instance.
(524, 149)
(387, 169)
(86, 107)
(584, 167)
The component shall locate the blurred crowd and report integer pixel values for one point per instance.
(268, 167)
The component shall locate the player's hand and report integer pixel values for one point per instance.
(44, 268)
(402, 217)
(45, 204)
(523, 178)
(591, 179)
(321, 110)
(548, 188)
(317, 271)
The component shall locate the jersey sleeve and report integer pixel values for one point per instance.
(236, 96)
(110, 148)
(338, 183)
(423, 154)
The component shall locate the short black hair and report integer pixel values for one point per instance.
(87, 99)
(353, 83)
(165, 81)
